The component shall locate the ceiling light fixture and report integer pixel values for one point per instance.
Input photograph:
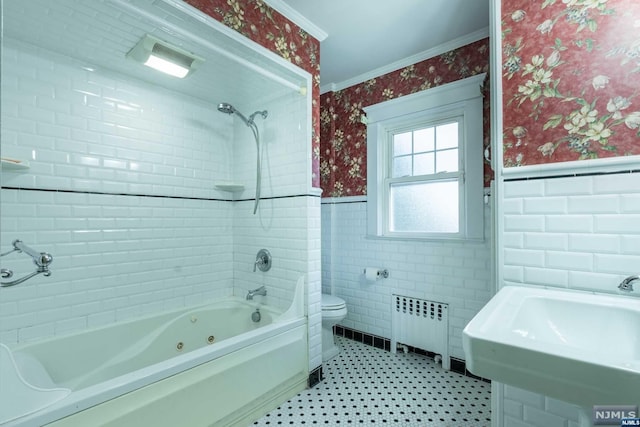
(164, 57)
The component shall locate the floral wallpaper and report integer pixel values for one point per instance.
(343, 138)
(264, 25)
(571, 80)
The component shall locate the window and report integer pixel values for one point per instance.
(425, 164)
(422, 185)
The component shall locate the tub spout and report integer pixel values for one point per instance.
(260, 291)
(627, 284)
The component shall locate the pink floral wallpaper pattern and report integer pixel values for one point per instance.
(264, 25)
(343, 138)
(571, 80)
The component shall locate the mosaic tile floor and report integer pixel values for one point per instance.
(367, 386)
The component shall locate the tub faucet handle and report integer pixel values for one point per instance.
(263, 260)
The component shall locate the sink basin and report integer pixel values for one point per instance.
(574, 346)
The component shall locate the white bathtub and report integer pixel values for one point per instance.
(205, 366)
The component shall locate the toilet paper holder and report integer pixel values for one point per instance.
(381, 273)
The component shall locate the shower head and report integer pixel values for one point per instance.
(226, 108)
(229, 109)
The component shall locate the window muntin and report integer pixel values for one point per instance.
(422, 183)
(426, 150)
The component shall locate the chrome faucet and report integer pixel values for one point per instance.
(627, 284)
(42, 260)
(260, 291)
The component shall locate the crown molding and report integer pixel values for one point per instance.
(405, 62)
(298, 19)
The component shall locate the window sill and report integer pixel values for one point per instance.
(427, 239)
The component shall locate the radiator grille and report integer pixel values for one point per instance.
(422, 324)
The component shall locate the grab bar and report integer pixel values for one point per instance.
(42, 260)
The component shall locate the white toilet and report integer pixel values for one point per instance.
(334, 309)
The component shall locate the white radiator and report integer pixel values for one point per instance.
(422, 324)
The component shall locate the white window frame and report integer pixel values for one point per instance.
(460, 99)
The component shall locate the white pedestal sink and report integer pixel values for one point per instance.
(574, 346)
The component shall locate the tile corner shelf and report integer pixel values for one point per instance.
(8, 164)
(229, 186)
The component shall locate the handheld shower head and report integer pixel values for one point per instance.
(229, 109)
(226, 108)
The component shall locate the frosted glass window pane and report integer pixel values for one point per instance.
(424, 140)
(423, 164)
(402, 144)
(447, 136)
(402, 166)
(430, 207)
(447, 161)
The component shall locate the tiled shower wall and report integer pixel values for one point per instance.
(579, 232)
(294, 244)
(120, 191)
(457, 273)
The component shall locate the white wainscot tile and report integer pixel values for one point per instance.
(617, 183)
(546, 277)
(569, 224)
(524, 257)
(569, 186)
(594, 204)
(548, 241)
(617, 264)
(596, 282)
(513, 206)
(523, 189)
(596, 243)
(630, 203)
(630, 245)
(569, 260)
(545, 205)
(524, 223)
(624, 224)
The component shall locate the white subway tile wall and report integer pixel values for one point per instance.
(281, 230)
(575, 232)
(457, 273)
(120, 190)
(102, 132)
(522, 408)
(314, 288)
(285, 153)
(115, 257)
(294, 244)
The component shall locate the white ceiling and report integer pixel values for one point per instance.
(366, 38)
